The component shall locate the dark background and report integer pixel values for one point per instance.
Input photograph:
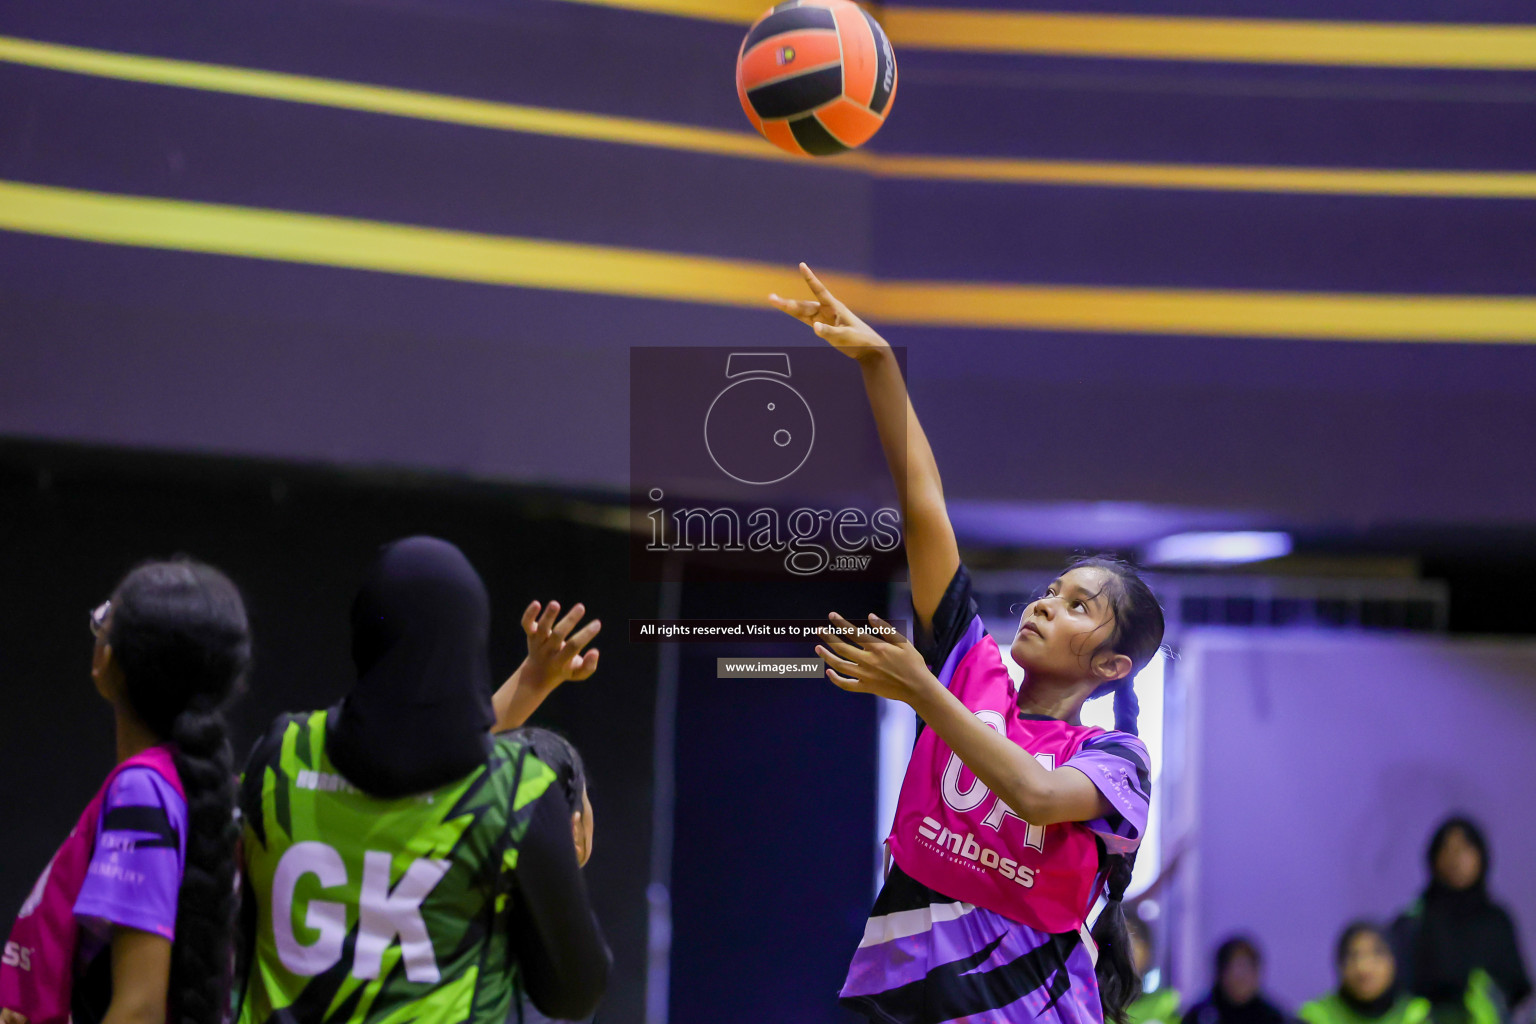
(774, 802)
(297, 542)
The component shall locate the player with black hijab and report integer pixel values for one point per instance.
(403, 862)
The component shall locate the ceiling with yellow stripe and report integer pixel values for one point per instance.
(1164, 229)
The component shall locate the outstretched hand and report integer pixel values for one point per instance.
(875, 659)
(831, 320)
(554, 652)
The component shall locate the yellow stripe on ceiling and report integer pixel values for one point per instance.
(1143, 37)
(1307, 315)
(716, 142)
(378, 99)
(1214, 177)
(638, 273)
(377, 245)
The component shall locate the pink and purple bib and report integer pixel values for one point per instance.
(120, 864)
(954, 835)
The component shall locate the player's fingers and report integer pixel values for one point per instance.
(835, 660)
(833, 332)
(882, 630)
(568, 622)
(850, 632)
(547, 620)
(584, 635)
(584, 665)
(844, 682)
(800, 309)
(848, 652)
(841, 628)
(530, 614)
(823, 293)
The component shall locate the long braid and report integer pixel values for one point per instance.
(205, 907)
(180, 635)
(1119, 984)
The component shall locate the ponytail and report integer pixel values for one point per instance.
(1119, 984)
(1127, 707)
(205, 908)
(180, 636)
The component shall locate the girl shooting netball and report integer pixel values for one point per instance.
(1013, 816)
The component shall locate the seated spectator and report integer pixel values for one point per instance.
(1455, 946)
(1235, 998)
(1368, 991)
(1157, 1004)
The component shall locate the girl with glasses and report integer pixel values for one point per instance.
(131, 921)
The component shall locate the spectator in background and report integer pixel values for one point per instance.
(1235, 998)
(1455, 946)
(1157, 1004)
(1368, 991)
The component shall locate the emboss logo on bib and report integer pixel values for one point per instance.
(972, 850)
(17, 956)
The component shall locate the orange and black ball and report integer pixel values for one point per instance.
(816, 77)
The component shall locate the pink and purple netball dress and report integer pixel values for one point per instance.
(120, 866)
(982, 917)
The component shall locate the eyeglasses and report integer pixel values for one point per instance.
(99, 618)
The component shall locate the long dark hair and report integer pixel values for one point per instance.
(1137, 633)
(180, 637)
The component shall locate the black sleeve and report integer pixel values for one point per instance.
(1193, 1013)
(1403, 937)
(956, 610)
(559, 947)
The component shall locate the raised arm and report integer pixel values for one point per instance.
(932, 554)
(554, 656)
